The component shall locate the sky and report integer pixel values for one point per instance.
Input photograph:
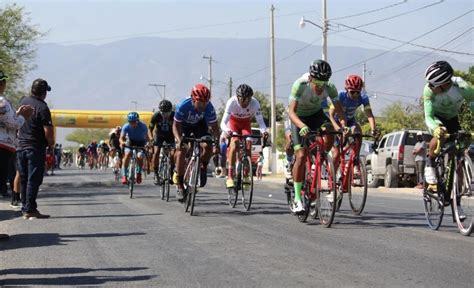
(70, 22)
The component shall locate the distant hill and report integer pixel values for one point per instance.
(111, 76)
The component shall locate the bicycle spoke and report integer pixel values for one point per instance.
(327, 192)
(357, 189)
(463, 204)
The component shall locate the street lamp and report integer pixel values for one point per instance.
(159, 85)
(324, 28)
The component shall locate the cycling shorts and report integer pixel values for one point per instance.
(167, 138)
(452, 125)
(314, 122)
(199, 130)
(140, 144)
(240, 126)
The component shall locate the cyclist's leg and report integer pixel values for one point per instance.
(126, 162)
(158, 143)
(299, 161)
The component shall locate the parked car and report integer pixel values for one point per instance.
(393, 161)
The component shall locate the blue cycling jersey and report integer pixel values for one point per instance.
(349, 106)
(137, 134)
(186, 114)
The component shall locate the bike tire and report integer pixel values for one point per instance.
(434, 208)
(160, 180)
(194, 184)
(247, 188)
(167, 180)
(357, 189)
(340, 194)
(187, 183)
(464, 196)
(326, 207)
(131, 179)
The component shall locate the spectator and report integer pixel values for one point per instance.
(420, 158)
(58, 151)
(34, 137)
(10, 122)
(260, 161)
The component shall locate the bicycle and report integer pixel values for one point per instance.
(116, 166)
(244, 173)
(354, 185)
(133, 166)
(319, 186)
(453, 187)
(193, 166)
(164, 171)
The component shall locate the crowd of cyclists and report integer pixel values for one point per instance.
(314, 104)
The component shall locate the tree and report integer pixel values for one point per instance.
(466, 117)
(86, 135)
(17, 47)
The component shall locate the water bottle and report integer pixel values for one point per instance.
(430, 175)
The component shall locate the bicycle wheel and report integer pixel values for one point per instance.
(194, 184)
(167, 179)
(357, 188)
(434, 208)
(463, 204)
(161, 177)
(340, 193)
(131, 178)
(187, 184)
(247, 183)
(326, 192)
(303, 216)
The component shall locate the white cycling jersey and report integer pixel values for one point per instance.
(235, 112)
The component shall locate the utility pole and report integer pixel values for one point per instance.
(136, 103)
(210, 71)
(325, 32)
(230, 87)
(273, 157)
(159, 85)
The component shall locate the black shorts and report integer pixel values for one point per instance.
(314, 122)
(452, 125)
(197, 131)
(167, 138)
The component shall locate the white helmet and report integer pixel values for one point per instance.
(82, 145)
(102, 142)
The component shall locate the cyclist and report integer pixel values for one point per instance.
(306, 113)
(238, 114)
(194, 115)
(81, 154)
(134, 133)
(443, 96)
(114, 143)
(350, 99)
(162, 125)
(103, 154)
(92, 154)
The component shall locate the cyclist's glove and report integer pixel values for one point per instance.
(304, 131)
(439, 132)
(376, 133)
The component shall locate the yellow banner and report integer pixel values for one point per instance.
(94, 118)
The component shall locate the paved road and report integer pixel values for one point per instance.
(98, 236)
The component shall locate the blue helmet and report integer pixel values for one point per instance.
(133, 116)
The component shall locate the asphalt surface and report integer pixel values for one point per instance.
(97, 235)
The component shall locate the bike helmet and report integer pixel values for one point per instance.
(244, 91)
(354, 82)
(165, 106)
(102, 142)
(200, 93)
(118, 128)
(320, 70)
(82, 145)
(439, 73)
(133, 116)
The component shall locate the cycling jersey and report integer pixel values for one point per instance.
(349, 106)
(234, 114)
(188, 116)
(82, 150)
(446, 105)
(114, 140)
(163, 126)
(92, 148)
(309, 102)
(137, 134)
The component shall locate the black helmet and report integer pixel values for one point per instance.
(244, 91)
(320, 70)
(40, 87)
(438, 73)
(165, 106)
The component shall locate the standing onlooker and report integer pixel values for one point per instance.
(10, 122)
(34, 137)
(260, 161)
(420, 158)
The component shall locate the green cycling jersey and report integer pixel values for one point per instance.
(447, 104)
(309, 102)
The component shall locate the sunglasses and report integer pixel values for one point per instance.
(244, 99)
(319, 83)
(353, 92)
(443, 86)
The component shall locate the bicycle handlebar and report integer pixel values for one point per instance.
(460, 135)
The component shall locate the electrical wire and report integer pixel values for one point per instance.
(370, 11)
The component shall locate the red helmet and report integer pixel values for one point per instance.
(200, 93)
(354, 82)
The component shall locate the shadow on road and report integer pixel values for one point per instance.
(74, 280)
(81, 204)
(105, 216)
(101, 235)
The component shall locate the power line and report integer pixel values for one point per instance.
(370, 11)
(413, 44)
(393, 94)
(403, 43)
(181, 29)
(397, 15)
